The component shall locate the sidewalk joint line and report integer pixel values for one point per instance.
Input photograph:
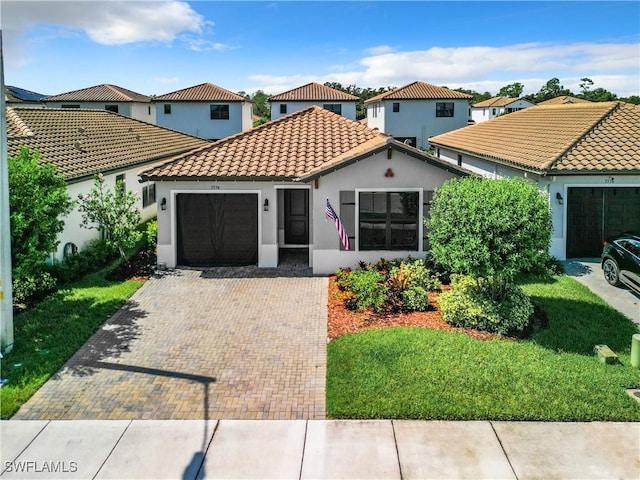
(395, 441)
(27, 446)
(112, 449)
(304, 446)
(503, 450)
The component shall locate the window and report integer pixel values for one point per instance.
(148, 110)
(283, 108)
(374, 110)
(396, 107)
(148, 195)
(459, 160)
(167, 109)
(484, 112)
(333, 107)
(70, 106)
(493, 112)
(444, 109)
(121, 181)
(388, 220)
(219, 112)
(111, 108)
(438, 152)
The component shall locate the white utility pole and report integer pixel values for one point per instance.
(6, 300)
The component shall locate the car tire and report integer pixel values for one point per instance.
(611, 272)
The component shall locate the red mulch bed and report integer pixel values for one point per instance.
(342, 321)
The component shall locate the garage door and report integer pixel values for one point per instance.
(217, 229)
(594, 214)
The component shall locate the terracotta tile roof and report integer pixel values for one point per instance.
(99, 93)
(564, 100)
(419, 91)
(205, 92)
(581, 137)
(495, 102)
(286, 148)
(313, 92)
(84, 142)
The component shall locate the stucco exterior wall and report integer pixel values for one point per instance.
(144, 111)
(348, 108)
(375, 115)
(409, 174)
(80, 236)
(194, 118)
(549, 186)
(124, 108)
(483, 114)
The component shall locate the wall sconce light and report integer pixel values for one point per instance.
(266, 204)
(559, 198)
(388, 173)
(163, 204)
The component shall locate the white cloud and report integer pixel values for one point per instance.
(379, 50)
(104, 22)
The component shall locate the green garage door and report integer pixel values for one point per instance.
(595, 213)
(217, 229)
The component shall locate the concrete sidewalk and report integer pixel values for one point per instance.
(318, 449)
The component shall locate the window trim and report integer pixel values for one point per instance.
(283, 109)
(220, 108)
(167, 109)
(421, 227)
(395, 108)
(453, 109)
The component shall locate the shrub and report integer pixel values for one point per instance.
(469, 305)
(368, 287)
(151, 235)
(415, 299)
(31, 285)
(91, 258)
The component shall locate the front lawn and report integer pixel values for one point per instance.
(47, 335)
(412, 372)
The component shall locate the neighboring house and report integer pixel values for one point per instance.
(106, 97)
(82, 143)
(564, 100)
(584, 156)
(205, 111)
(417, 111)
(242, 199)
(20, 97)
(313, 94)
(496, 106)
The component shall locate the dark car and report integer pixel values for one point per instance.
(621, 260)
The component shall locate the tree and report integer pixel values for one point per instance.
(477, 96)
(115, 213)
(261, 104)
(597, 95)
(489, 229)
(635, 99)
(551, 89)
(363, 93)
(513, 90)
(38, 201)
(585, 84)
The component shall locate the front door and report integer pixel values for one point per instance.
(296, 217)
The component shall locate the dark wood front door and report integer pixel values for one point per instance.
(296, 217)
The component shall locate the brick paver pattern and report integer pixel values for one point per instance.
(225, 343)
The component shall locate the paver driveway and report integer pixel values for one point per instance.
(242, 343)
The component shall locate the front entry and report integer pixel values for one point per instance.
(296, 217)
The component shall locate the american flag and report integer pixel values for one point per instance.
(331, 213)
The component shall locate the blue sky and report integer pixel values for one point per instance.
(155, 47)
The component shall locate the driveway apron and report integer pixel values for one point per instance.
(224, 343)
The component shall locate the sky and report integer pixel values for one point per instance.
(157, 47)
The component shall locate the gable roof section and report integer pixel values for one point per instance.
(496, 102)
(313, 92)
(99, 93)
(557, 139)
(300, 146)
(84, 142)
(564, 100)
(19, 95)
(205, 92)
(420, 91)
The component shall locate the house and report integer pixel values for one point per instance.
(20, 97)
(584, 156)
(418, 111)
(242, 199)
(205, 111)
(313, 94)
(82, 143)
(564, 100)
(106, 97)
(496, 106)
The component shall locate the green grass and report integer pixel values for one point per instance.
(553, 376)
(47, 335)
